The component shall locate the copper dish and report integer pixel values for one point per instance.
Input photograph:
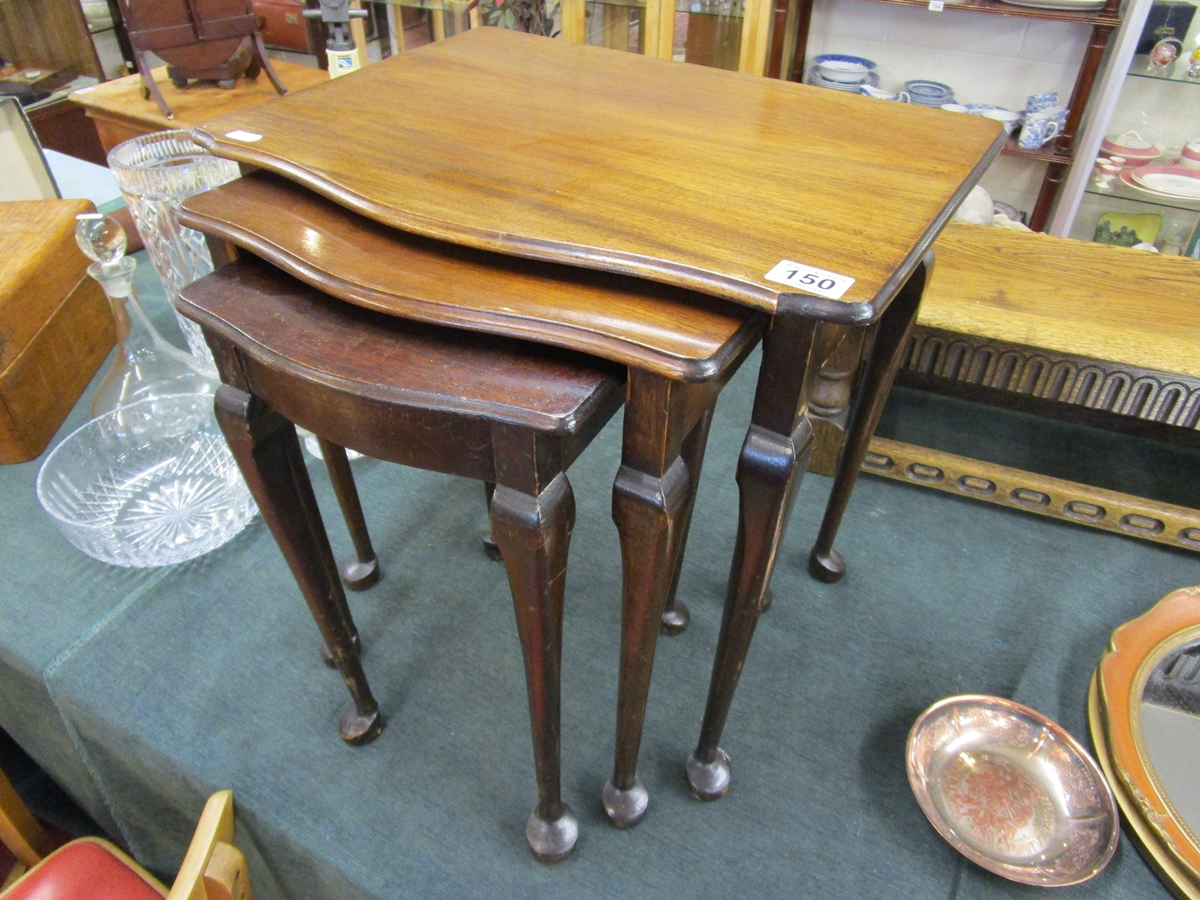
(1012, 791)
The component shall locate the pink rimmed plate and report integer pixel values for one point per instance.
(1129, 181)
(1175, 181)
(1012, 791)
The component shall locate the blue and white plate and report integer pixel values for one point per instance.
(935, 103)
(842, 57)
(928, 89)
(815, 79)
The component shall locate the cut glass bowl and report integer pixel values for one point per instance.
(148, 484)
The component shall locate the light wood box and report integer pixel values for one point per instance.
(55, 324)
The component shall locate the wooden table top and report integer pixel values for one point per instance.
(639, 323)
(122, 98)
(305, 333)
(1072, 297)
(693, 176)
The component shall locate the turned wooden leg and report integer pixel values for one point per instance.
(269, 457)
(489, 545)
(839, 347)
(360, 571)
(893, 331)
(652, 494)
(534, 534)
(772, 463)
(675, 615)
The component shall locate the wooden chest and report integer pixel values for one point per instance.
(283, 25)
(55, 324)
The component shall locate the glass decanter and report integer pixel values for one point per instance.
(146, 365)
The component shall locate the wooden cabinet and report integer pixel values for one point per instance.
(725, 34)
(54, 33)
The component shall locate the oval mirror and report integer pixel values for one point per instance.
(1144, 712)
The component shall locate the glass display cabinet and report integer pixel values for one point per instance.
(1140, 102)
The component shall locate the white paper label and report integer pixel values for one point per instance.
(248, 137)
(936, 5)
(810, 280)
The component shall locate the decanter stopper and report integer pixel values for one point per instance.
(100, 237)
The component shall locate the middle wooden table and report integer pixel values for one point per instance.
(813, 206)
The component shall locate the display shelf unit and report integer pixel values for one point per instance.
(1160, 98)
(1177, 75)
(1122, 192)
(1057, 156)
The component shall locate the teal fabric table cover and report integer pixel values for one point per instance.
(144, 691)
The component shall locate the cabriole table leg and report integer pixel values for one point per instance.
(891, 339)
(652, 500)
(773, 460)
(534, 534)
(268, 454)
(360, 571)
(675, 615)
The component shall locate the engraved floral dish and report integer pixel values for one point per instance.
(1012, 791)
(149, 484)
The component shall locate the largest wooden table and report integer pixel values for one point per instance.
(695, 177)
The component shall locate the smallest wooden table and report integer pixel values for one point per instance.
(120, 112)
(506, 412)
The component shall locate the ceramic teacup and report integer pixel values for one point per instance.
(869, 91)
(1189, 156)
(1005, 117)
(1057, 113)
(1038, 102)
(1037, 130)
(954, 107)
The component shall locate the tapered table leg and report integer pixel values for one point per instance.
(893, 331)
(652, 498)
(675, 615)
(360, 571)
(773, 460)
(534, 534)
(489, 545)
(269, 457)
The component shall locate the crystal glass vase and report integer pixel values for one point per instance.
(156, 173)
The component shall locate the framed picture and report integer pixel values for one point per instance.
(26, 174)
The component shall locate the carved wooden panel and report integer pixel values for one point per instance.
(1075, 380)
(1057, 498)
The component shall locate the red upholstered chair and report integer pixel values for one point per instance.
(93, 869)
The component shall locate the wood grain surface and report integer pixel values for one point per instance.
(56, 327)
(697, 177)
(393, 360)
(120, 101)
(48, 32)
(39, 266)
(1073, 297)
(659, 328)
